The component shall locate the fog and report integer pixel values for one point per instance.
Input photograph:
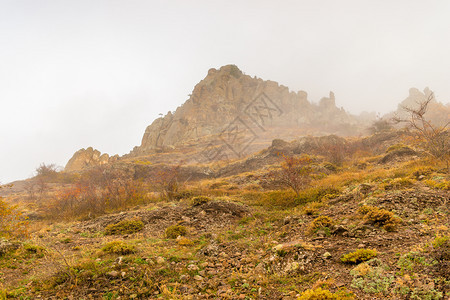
(80, 73)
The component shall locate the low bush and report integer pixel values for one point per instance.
(199, 200)
(380, 217)
(318, 294)
(12, 222)
(174, 231)
(124, 227)
(118, 247)
(359, 256)
(322, 222)
(323, 294)
(312, 208)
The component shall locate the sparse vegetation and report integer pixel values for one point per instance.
(12, 222)
(258, 239)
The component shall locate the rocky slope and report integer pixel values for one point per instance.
(239, 111)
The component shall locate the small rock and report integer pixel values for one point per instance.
(184, 277)
(198, 278)
(160, 260)
(193, 267)
(278, 247)
(113, 273)
(327, 255)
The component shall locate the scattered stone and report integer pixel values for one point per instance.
(160, 260)
(193, 267)
(113, 274)
(198, 278)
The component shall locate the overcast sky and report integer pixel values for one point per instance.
(95, 73)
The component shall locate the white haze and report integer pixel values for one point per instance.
(95, 73)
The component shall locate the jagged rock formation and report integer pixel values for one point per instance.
(437, 113)
(85, 158)
(233, 108)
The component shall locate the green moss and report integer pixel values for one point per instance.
(118, 247)
(359, 256)
(174, 231)
(124, 227)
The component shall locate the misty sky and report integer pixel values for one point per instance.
(95, 73)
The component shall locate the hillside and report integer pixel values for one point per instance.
(372, 225)
(247, 191)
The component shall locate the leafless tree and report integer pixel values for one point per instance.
(435, 139)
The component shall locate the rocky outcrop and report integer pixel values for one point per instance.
(85, 158)
(232, 107)
(437, 113)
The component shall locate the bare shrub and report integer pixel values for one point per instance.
(295, 173)
(433, 139)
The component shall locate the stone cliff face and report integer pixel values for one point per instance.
(85, 158)
(227, 102)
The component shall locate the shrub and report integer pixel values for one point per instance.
(183, 195)
(12, 223)
(317, 294)
(359, 256)
(399, 183)
(184, 241)
(199, 200)
(118, 247)
(441, 241)
(312, 208)
(124, 227)
(174, 231)
(442, 185)
(380, 217)
(319, 223)
(295, 173)
(322, 294)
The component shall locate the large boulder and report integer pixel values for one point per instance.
(85, 158)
